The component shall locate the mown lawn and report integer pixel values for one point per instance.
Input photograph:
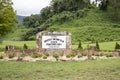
(32, 44)
(81, 70)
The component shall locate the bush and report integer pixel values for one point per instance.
(97, 45)
(2, 54)
(117, 46)
(44, 57)
(36, 55)
(22, 55)
(56, 56)
(46, 54)
(101, 54)
(11, 55)
(6, 48)
(109, 55)
(79, 55)
(70, 55)
(83, 54)
(97, 55)
(80, 46)
(25, 46)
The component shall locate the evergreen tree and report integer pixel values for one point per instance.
(25, 46)
(80, 45)
(97, 45)
(117, 46)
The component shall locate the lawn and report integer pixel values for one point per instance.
(102, 45)
(81, 70)
(32, 44)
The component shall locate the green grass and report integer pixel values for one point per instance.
(102, 45)
(17, 34)
(87, 70)
(32, 44)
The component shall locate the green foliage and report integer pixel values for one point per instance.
(37, 55)
(71, 55)
(2, 54)
(25, 46)
(83, 54)
(109, 55)
(57, 7)
(56, 56)
(7, 17)
(80, 46)
(11, 55)
(6, 48)
(117, 46)
(79, 55)
(97, 45)
(112, 6)
(44, 57)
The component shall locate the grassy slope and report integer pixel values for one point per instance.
(95, 25)
(16, 35)
(87, 70)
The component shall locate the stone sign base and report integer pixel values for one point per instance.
(53, 42)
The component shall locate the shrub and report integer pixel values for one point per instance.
(22, 55)
(97, 55)
(25, 46)
(70, 55)
(56, 56)
(97, 45)
(117, 46)
(6, 48)
(44, 57)
(36, 55)
(109, 55)
(11, 55)
(2, 54)
(46, 54)
(80, 46)
(79, 55)
(101, 54)
(83, 54)
(0, 78)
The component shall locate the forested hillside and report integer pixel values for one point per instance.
(85, 21)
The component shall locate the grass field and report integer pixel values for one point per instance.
(81, 70)
(32, 44)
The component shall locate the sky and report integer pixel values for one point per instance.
(28, 7)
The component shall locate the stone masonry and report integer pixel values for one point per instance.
(52, 50)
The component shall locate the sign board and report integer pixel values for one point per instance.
(54, 42)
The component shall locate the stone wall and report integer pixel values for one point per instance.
(52, 50)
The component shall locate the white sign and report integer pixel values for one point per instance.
(54, 42)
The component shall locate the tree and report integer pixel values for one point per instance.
(113, 6)
(104, 5)
(8, 18)
(97, 45)
(114, 9)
